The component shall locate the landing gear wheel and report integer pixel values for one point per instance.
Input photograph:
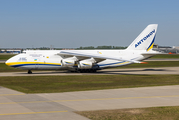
(87, 70)
(29, 72)
(94, 71)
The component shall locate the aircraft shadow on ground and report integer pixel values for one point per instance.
(107, 72)
(115, 72)
(45, 72)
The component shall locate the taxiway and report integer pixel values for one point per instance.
(19, 106)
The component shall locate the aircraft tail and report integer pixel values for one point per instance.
(145, 40)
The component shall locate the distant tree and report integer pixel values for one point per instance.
(119, 47)
(104, 47)
(89, 47)
(101, 47)
(44, 48)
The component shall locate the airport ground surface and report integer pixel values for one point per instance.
(2, 61)
(19, 106)
(137, 71)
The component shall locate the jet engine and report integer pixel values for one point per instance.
(68, 63)
(85, 65)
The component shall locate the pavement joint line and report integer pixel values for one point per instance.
(115, 98)
(90, 99)
(10, 94)
(31, 113)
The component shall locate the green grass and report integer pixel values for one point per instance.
(6, 56)
(51, 84)
(153, 113)
(5, 68)
(166, 56)
(153, 64)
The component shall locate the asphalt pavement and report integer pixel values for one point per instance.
(15, 105)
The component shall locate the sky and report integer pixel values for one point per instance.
(76, 23)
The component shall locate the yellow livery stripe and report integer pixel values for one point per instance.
(151, 47)
(20, 63)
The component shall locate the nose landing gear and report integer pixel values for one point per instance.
(29, 72)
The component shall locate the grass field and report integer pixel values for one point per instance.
(5, 68)
(154, 113)
(51, 84)
(6, 56)
(153, 64)
(165, 56)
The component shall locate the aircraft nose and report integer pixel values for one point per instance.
(10, 61)
(7, 62)
(13, 60)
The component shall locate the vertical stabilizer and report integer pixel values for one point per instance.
(145, 40)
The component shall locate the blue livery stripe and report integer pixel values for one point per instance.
(20, 65)
(151, 43)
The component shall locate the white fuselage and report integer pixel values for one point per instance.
(49, 59)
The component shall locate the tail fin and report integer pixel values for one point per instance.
(145, 40)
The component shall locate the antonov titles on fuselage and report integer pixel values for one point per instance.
(87, 60)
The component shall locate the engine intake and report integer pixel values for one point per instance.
(85, 65)
(67, 63)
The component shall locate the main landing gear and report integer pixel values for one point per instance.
(87, 70)
(29, 72)
(83, 71)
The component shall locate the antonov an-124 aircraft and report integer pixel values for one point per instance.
(87, 60)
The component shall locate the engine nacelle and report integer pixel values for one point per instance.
(68, 63)
(85, 65)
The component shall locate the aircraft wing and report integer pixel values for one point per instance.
(99, 57)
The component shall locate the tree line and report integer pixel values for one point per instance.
(101, 47)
